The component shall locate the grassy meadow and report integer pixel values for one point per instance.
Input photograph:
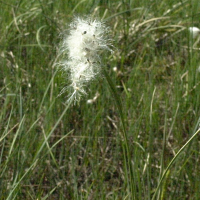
(138, 139)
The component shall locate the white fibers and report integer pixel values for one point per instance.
(83, 44)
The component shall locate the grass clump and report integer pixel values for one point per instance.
(135, 135)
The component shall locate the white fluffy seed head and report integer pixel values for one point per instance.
(85, 38)
(194, 32)
(83, 44)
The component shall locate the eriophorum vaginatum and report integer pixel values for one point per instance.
(85, 40)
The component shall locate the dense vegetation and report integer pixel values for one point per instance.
(145, 107)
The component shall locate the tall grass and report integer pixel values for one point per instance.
(139, 139)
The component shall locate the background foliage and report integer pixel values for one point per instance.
(50, 151)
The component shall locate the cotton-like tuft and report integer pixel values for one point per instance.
(86, 39)
(194, 31)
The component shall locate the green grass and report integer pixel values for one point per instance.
(134, 141)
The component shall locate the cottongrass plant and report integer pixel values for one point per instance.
(86, 38)
(83, 45)
(194, 32)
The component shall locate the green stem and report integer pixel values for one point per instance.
(172, 162)
(125, 146)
